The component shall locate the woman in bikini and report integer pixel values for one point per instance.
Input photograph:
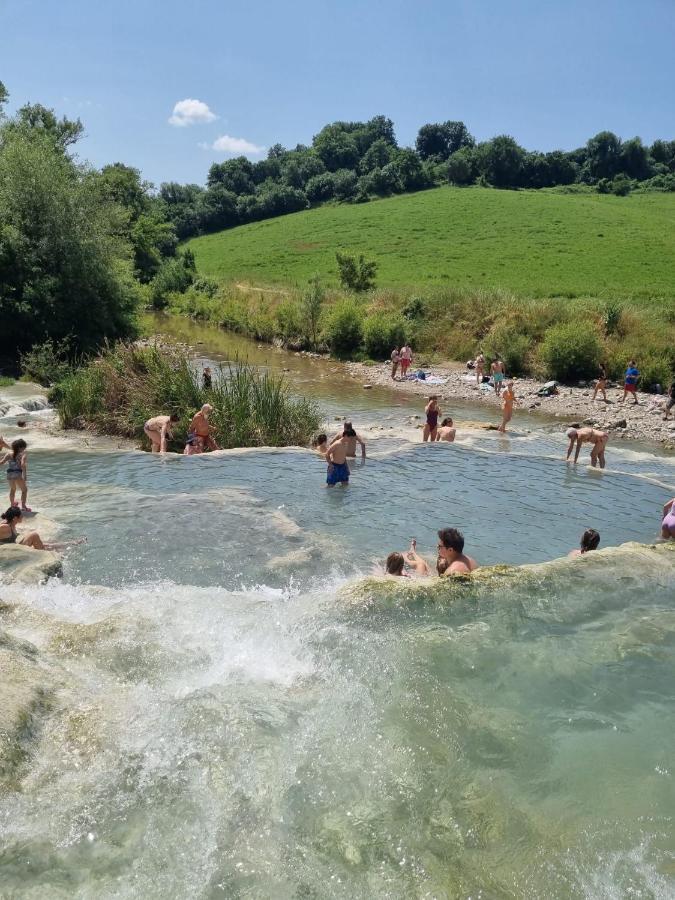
(601, 383)
(432, 412)
(8, 534)
(158, 429)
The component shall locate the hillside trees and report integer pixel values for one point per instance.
(439, 141)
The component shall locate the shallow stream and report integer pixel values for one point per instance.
(235, 712)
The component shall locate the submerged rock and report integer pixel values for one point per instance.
(19, 563)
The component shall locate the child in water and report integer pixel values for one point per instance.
(17, 472)
(320, 444)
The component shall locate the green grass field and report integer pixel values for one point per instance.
(535, 243)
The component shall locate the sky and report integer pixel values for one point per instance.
(171, 87)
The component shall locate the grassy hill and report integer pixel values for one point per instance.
(535, 243)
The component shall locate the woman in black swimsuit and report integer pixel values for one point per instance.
(8, 535)
(432, 413)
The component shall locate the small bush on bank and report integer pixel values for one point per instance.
(570, 351)
(381, 333)
(47, 363)
(289, 324)
(119, 390)
(343, 328)
(512, 345)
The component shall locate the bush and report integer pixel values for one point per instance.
(289, 320)
(123, 387)
(356, 275)
(343, 330)
(381, 333)
(414, 308)
(655, 369)
(47, 363)
(174, 277)
(571, 350)
(512, 345)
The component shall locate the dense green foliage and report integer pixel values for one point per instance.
(357, 161)
(119, 390)
(65, 266)
(451, 323)
(538, 243)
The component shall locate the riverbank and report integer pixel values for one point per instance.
(643, 422)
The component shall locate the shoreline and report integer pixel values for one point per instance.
(572, 405)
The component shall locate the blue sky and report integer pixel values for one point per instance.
(550, 72)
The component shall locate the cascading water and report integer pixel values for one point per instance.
(219, 700)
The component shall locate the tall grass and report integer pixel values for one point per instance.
(120, 389)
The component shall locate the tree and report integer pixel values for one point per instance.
(376, 156)
(216, 208)
(336, 147)
(311, 305)
(236, 175)
(603, 154)
(65, 258)
(635, 162)
(37, 118)
(356, 274)
(461, 167)
(500, 161)
(442, 139)
(4, 96)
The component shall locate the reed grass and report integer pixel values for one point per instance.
(119, 390)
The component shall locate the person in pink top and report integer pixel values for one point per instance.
(406, 359)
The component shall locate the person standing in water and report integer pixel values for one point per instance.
(630, 381)
(336, 457)
(200, 427)
(395, 360)
(497, 370)
(207, 378)
(158, 429)
(601, 383)
(479, 363)
(590, 540)
(447, 431)
(451, 550)
(352, 440)
(406, 359)
(668, 521)
(17, 472)
(432, 412)
(581, 436)
(508, 400)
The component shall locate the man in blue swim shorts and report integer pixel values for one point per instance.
(336, 456)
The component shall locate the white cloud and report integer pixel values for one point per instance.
(238, 146)
(191, 112)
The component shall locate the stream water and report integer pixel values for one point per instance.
(238, 713)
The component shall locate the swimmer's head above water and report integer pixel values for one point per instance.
(394, 564)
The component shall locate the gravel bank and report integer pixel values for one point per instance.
(573, 405)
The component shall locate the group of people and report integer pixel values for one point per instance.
(401, 357)
(200, 432)
(497, 371)
(452, 560)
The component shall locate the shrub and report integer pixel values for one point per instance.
(311, 305)
(174, 277)
(512, 345)
(611, 318)
(356, 275)
(48, 362)
(343, 329)
(414, 308)
(655, 369)
(120, 389)
(382, 332)
(571, 350)
(289, 319)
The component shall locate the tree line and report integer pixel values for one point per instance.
(357, 161)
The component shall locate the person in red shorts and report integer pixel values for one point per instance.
(630, 381)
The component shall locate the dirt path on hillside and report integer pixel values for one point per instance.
(242, 286)
(572, 404)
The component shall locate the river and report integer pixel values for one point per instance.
(237, 711)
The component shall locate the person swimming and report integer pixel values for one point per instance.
(590, 540)
(447, 430)
(432, 412)
(395, 563)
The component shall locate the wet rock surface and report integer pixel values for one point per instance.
(19, 563)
